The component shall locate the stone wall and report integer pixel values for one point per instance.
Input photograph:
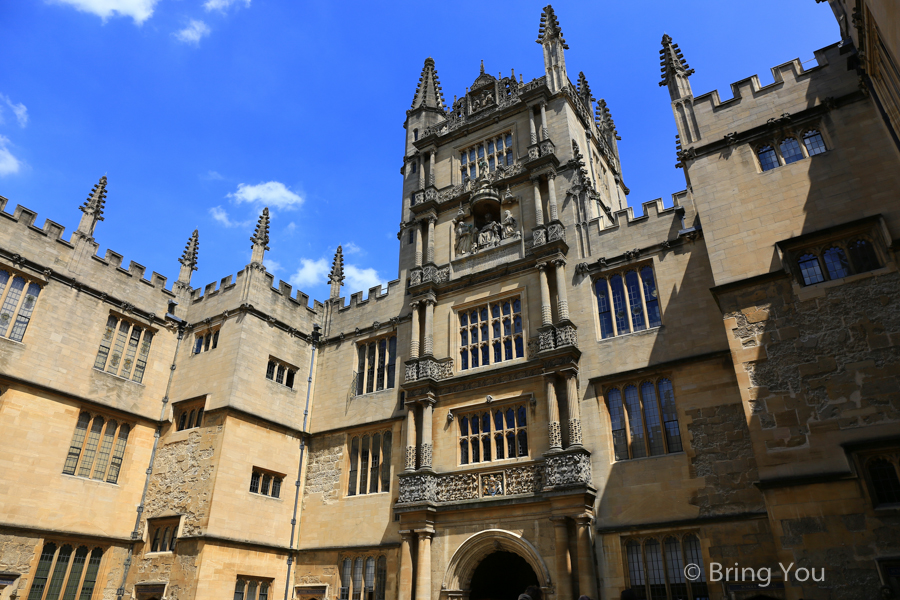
(323, 469)
(16, 554)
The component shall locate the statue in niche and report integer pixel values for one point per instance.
(510, 226)
(489, 235)
(464, 237)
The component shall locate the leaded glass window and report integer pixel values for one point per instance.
(97, 448)
(63, 568)
(496, 151)
(280, 372)
(885, 483)
(370, 463)
(376, 365)
(491, 333)
(17, 302)
(790, 151)
(492, 434)
(814, 143)
(124, 349)
(646, 422)
(655, 568)
(768, 160)
(810, 269)
(265, 483)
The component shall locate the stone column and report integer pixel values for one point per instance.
(418, 229)
(545, 131)
(546, 309)
(423, 565)
(427, 414)
(429, 327)
(421, 168)
(562, 300)
(586, 579)
(406, 568)
(431, 223)
(538, 208)
(574, 408)
(552, 412)
(563, 566)
(551, 183)
(431, 168)
(414, 342)
(531, 123)
(410, 437)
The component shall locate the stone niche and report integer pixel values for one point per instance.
(486, 232)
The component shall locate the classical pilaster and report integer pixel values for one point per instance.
(431, 223)
(552, 412)
(429, 326)
(417, 228)
(563, 564)
(545, 132)
(562, 299)
(531, 124)
(411, 437)
(546, 309)
(551, 183)
(586, 579)
(421, 169)
(414, 342)
(431, 168)
(425, 454)
(423, 565)
(406, 567)
(538, 203)
(574, 408)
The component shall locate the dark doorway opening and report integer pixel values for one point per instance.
(501, 576)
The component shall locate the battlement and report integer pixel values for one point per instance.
(375, 294)
(793, 89)
(652, 209)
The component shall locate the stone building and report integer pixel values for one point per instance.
(554, 391)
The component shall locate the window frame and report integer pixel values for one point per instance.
(638, 385)
(864, 459)
(96, 447)
(681, 537)
(47, 573)
(798, 134)
(371, 589)
(492, 409)
(256, 584)
(282, 372)
(119, 344)
(370, 368)
(266, 479)
(487, 303)
(191, 412)
(164, 531)
(17, 310)
(357, 474)
(206, 340)
(622, 272)
(507, 157)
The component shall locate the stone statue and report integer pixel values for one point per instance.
(510, 225)
(489, 235)
(464, 239)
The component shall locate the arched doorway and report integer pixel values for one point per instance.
(501, 576)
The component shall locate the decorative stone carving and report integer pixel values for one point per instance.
(547, 147)
(545, 339)
(582, 268)
(569, 469)
(421, 487)
(566, 335)
(415, 277)
(418, 198)
(453, 488)
(524, 480)
(532, 348)
(431, 194)
(411, 372)
(465, 233)
(555, 434)
(575, 431)
(632, 254)
(490, 235)
(504, 252)
(410, 458)
(510, 226)
(491, 484)
(425, 456)
(435, 275)
(540, 237)
(556, 231)
(534, 152)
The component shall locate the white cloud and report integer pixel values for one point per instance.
(291, 228)
(223, 5)
(9, 164)
(351, 248)
(193, 33)
(212, 176)
(271, 193)
(19, 110)
(360, 279)
(221, 215)
(272, 266)
(139, 10)
(310, 273)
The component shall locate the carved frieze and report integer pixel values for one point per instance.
(459, 487)
(556, 231)
(546, 339)
(420, 487)
(569, 469)
(540, 237)
(491, 484)
(524, 480)
(566, 335)
(453, 488)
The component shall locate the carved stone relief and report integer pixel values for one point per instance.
(569, 469)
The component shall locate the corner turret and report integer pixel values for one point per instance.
(550, 36)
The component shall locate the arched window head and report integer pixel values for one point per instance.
(814, 143)
(767, 158)
(863, 256)
(790, 151)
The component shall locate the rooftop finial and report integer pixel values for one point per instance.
(482, 66)
(674, 69)
(428, 92)
(549, 29)
(336, 277)
(93, 209)
(551, 37)
(584, 90)
(189, 258)
(260, 238)
(605, 121)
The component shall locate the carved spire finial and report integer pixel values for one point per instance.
(260, 238)
(549, 29)
(674, 69)
(336, 277)
(550, 36)
(93, 209)
(584, 90)
(482, 67)
(605, 121)
(189, 258)
(428, 92)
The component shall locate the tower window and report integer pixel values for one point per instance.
(790, 151)
(376, 365)
(265, 483)
(17, 300)
(370, 463)
(497, 151)
(280, 372)
(97, 448)
(75, 570)
(491, 333)
(643, 418)
(493, 434)
(835, 259)
(124, 349)
(627, 304)
(415, 135)
(814, 143)
(767, 158)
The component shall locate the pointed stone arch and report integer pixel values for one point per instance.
(458, 578)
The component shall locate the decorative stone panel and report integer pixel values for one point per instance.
(418, 487)
(458, 487)
(569, 468)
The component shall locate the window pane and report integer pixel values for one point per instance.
(510, 418)
(810, 270)
(836, 263)
(495, 311)
(675, 568)
(884, 481)
(509, 158)
(511, 445)
(655, 574)
(90, 449)
(464, 426)
(289, 379)
(767, 158)
(28, 304)
(476, 424)
(651, 297)
(77, 442)
(508, 140)
(4, 279)
(75, 573)
(276, 487)
(486, 448)
(254, 482)
(370, 371)
(142, 358)
(215, 340)
(345, 579)
(270, 370)
(498, 420)
(651, 414)
(490, 146)
(386, 462)
(693, 554)
(279, 374)
(814, 142)
(373, 468)
(619, 307)
(790, 151)
(498, 442)
(354, 458)
(90, 577)
(251, 590)
(105, 343)
(474, 357)
(520, 416)
(635, 567)
(364, 464)
(392, 361)
(634, 300)
(520, 347)
(507, 350)
(118, 348)
(669, 415)
(59, 573)
(42, 572)
(617, 421)
(498, 353)
(604, 308)
(198, 345)
(523, 443)
(9, 305)
(116, 463)
(105, 448)
(485, 354)
(635, 422)
(370, 574)
(475, 451)
(862, 253)
(380, 578)
(463, 452)
(382, 361)
(360, 369)
(357, 577)
(264, 590)
(266, 482)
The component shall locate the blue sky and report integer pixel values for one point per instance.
(200, 112)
